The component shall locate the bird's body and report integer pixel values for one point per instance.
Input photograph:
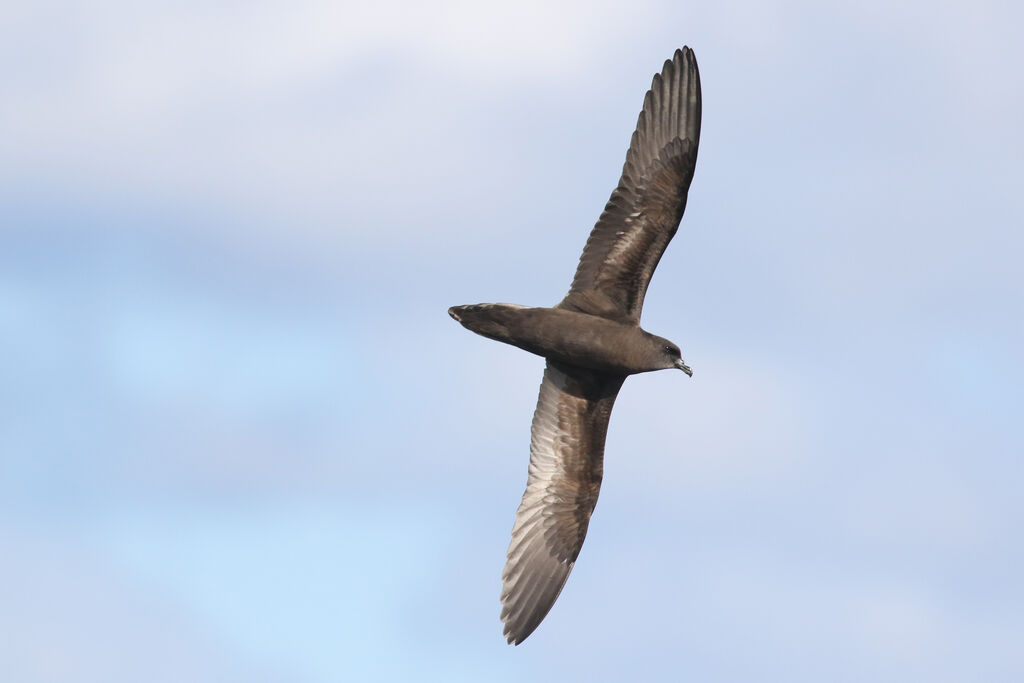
(592, 341)
(588, 341)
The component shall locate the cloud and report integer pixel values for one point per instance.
(229, 236)
(398, 126)
(268, 105)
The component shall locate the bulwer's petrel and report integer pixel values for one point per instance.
(592, 341)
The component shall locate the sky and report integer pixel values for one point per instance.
(241, 440)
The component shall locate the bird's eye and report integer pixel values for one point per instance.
(670, 351)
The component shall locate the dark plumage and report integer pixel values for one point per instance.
(592, 341)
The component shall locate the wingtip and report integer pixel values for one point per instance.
(685, 55)
(515, 639)
(514, 629)
(507, 631)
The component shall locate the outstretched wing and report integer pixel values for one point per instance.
(566, 465)
(645, 209)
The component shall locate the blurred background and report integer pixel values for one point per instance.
(241, 440)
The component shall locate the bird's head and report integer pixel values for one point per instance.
(667, 355)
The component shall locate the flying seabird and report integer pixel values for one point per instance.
(592, 341)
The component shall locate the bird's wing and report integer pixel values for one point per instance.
(645, 209)
(566, 464)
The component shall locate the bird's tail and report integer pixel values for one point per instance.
(489, 320)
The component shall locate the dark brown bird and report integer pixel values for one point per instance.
(592, 341)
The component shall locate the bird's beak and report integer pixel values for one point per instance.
(681, 364)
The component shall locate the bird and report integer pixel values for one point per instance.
(592, 341)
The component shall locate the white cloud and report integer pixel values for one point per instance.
(299, 118)
(322, 121)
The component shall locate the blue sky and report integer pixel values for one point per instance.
(241, 440)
